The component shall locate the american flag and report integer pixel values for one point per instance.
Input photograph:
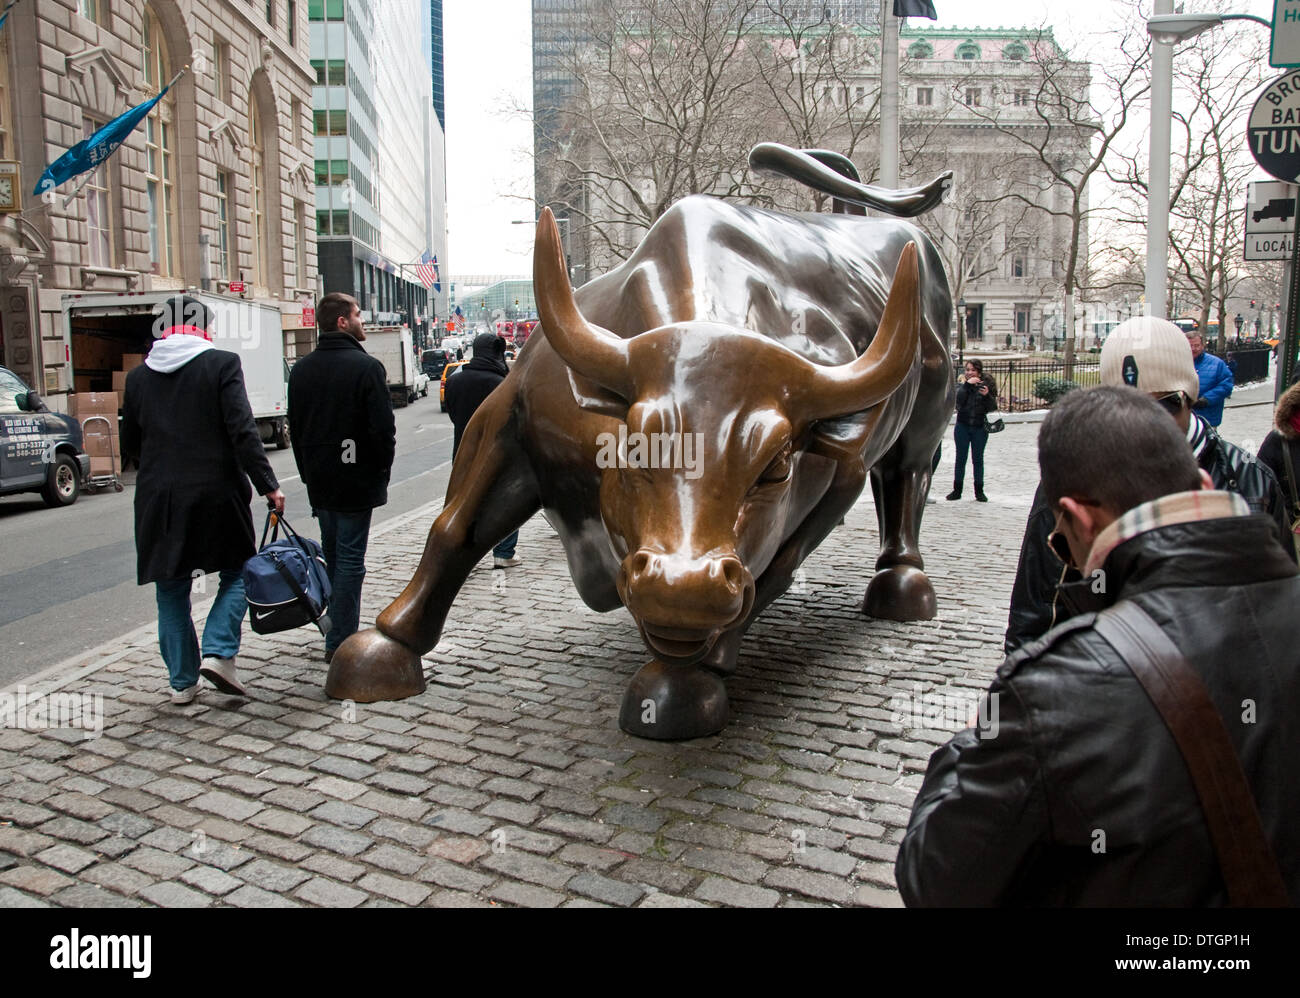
(427, 271)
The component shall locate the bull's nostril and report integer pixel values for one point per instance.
(734, 573)
(639, 565)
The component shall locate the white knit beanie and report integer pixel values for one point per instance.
(1151, 355)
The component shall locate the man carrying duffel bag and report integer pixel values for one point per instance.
(186, 415)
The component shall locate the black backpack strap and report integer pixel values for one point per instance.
(1291, 486)
(1246, 860)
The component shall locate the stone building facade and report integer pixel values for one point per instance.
(215, 186)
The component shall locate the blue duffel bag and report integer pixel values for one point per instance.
(285, 583)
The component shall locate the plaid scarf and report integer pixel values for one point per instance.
(1178, 507)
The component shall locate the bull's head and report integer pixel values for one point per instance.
(702, 479)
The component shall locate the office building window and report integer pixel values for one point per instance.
(221, 70)
(1023, 314)
(223, 224)
(324, 10)
(972, 97)
(99, 209)
(925, 96)
(291, 22)
(257, 175)
(331, 122)
(332, 73)
(160, 174)
(270, 12)
(1021, 98)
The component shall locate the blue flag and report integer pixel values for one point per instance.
(915, 8)
(89, 153)
(4, 14)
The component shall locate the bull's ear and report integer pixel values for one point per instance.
(596, 398)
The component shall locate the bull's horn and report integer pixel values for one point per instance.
(873, 377)
(589, 350)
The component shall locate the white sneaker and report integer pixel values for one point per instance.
(507, 562)
(187, 695)
(220, 672)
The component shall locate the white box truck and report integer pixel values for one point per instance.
(394, 347)
(105, 330)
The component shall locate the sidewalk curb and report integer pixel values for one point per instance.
(77, 667)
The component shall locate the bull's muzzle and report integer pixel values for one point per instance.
(682, 604)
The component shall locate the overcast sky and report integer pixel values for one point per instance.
(487, 47)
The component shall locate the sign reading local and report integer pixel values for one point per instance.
(1285, 50)
(1274, 128)
(1270, 220)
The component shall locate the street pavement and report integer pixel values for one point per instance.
(508, 782)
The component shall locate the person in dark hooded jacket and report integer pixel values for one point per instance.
(466, 391)
(1281, 452)
(185, 414)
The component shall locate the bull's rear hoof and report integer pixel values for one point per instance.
(671, 704)
(371, 666)
(900, 593)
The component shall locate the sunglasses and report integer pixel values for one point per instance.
(1172, 403)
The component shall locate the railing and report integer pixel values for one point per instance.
(1250, 363)
(1016, 378)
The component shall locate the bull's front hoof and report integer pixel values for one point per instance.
(671, 704)
(900, 593)
(371, 666)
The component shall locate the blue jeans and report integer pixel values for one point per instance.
(972, 438)
(506, 549)
(176, 637)
(343, 538)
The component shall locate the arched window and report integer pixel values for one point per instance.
(921, 49)
(1016, 52)
(160, 141)
(968, 50)
(257, 173)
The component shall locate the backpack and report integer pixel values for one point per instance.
(285, 583)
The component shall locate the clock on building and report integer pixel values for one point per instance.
(11, 186)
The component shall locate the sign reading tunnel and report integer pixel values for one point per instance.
(1274, 128)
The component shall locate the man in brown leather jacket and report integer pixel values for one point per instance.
(1078, 794)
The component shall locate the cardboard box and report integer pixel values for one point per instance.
(130, 361)
(84, 404)
(119, 382)
(105, 466)
(99, 443)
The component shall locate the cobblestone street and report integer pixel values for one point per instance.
(508, 782)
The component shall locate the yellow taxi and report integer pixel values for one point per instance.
(452, 368)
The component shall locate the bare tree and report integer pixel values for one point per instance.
(1073, 122)
(661, 107)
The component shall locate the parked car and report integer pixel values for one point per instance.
(40, 451)
(447, 372)
(421, 384)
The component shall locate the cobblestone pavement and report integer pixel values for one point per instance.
(508, 781)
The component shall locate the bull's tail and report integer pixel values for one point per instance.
(833, 174)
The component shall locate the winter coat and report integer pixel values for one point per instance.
(1079, 748)
(1285, 436)
(193, 432)
(1034, 605)
(972, 407)
(341, 426)
(1216, 385)
(468, 388)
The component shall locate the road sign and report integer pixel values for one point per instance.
(237, 287)
(1274, 128)
(1270, 220)
(1285, 50)
(308, 318)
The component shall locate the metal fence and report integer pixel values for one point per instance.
(1248, 364)
(1016, 379)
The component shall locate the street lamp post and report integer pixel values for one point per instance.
(1167, 29)
(1240, 319)
(961, 330)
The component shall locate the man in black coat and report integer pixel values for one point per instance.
(186, 416)
(1072, 790)
(466, 391)
(344, 439)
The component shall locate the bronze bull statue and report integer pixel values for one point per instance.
(694, 423)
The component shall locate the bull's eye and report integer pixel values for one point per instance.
(778, 470)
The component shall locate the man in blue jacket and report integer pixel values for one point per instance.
(1215, 379)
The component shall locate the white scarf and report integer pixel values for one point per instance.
(173, 352)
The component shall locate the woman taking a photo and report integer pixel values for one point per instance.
(977, 395)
